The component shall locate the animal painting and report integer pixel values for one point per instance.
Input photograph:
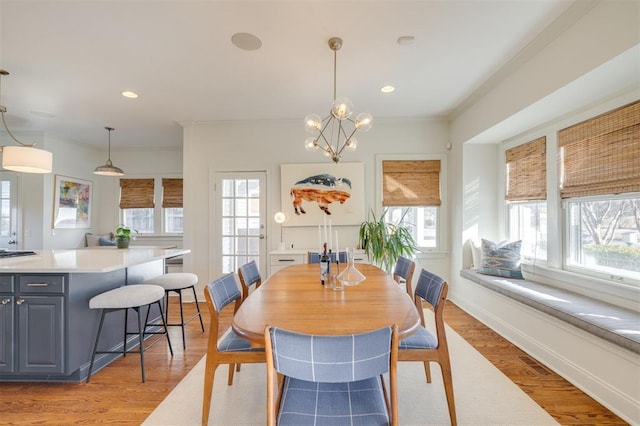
(323, 189)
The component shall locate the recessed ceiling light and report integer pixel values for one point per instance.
(387, 89)
(406, 40)
(246, 41)
(128, 94)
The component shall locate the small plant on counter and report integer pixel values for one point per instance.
(123, 235)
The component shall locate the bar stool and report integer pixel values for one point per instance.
(176, 282)
(124, 298)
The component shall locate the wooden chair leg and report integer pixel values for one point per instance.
(232, 368)
(445, 366)
(209, 375)
(427, 371)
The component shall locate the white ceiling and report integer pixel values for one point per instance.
(69, 60)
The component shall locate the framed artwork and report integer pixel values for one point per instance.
(313, 194)
(72, 203)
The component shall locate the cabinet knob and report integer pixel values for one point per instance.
(5, 301)
(20, 301)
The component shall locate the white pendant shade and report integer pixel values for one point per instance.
(26, 159)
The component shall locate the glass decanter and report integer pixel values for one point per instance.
(350, 276)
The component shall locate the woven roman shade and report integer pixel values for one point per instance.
(411, 183)
(527, 171)
(136, 193)
(171, 193)
(602, 155)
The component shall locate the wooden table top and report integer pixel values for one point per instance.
(293, 298)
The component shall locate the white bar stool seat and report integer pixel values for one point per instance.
(176, 282)
(127, 297)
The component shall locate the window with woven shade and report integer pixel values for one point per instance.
(136, 193)
(171, 193)
(411, 183)
(602, 155)
(527, 171)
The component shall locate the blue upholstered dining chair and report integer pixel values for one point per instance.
(230, 348)
(423, 345)
(314, 257)
(249, 275)
(335, 380)
(403, 273)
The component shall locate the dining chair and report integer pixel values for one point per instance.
(423, 345)
(331, 379)
(229, 348)
(314, 257)
(403, 273)
(249, 275)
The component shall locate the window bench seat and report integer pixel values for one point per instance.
(612, 323)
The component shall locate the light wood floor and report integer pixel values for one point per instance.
(117, 395)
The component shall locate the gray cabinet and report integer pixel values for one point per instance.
(7, 320)
(32, 318)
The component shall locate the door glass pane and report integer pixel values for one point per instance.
(227, 188)
(5, 208)
(241, 226)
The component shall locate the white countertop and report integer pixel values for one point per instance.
(86, 260)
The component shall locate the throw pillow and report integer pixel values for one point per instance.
(91, 240)
(476, 255)
(103, 241)
(502, 259)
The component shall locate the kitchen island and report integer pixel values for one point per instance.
(46, 326)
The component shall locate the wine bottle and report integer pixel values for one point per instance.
(325, 265)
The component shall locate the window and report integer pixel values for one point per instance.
(528, 222)
(411, 193)
(526, 193)
(599, 185)
(172, 205)
(138, 206)
(604, 236)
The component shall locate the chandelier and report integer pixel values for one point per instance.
(24, 158)
(335, 132)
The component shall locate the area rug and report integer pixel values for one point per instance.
(483, 395)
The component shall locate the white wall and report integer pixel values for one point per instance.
(263, 146)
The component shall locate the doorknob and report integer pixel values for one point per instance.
(262, 236)
(5, 301)
(20, 301)
(12, 242)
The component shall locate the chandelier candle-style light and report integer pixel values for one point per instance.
(24, 158)
(332, 133)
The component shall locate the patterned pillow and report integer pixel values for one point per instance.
(502, 260)
(104, 241)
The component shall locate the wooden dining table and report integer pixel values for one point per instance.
(293, 298)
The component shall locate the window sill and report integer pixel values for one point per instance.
(620, 294)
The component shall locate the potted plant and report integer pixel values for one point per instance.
(124, 235)
(384, 242)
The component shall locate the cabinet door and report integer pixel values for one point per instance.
(6, 333)
(40, 334)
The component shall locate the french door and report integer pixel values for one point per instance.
(240, 211)
(8, 211)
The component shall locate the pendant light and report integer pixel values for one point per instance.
(25, 158)
(109, 169)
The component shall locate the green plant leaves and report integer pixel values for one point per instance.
(384, 242)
